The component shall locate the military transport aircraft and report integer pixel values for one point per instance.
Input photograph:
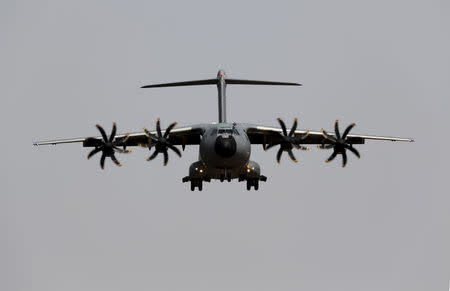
(224, 147)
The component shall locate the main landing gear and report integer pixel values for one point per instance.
(195, 182)
(253, 182)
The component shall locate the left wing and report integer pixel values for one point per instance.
(268, 135)
(293, 138)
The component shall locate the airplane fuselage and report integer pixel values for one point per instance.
(224, 154)
(225, 146)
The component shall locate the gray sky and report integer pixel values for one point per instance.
(382, 223)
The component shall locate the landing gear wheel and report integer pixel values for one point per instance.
(252, 183)
(196, 183)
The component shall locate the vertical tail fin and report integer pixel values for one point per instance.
(221, 81)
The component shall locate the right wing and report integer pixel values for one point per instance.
(190, 135)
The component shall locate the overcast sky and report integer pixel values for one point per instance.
(382, 223)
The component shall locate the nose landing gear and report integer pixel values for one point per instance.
(225, 176)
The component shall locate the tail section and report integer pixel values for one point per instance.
(221, 82)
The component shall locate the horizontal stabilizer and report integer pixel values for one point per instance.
(216, 82)
(185, 83)
(255, 82)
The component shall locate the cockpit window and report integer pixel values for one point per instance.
(228, 131)
(225, 130)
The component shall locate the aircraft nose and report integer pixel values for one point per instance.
(225, 146)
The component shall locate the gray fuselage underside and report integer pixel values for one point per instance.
(224, 150)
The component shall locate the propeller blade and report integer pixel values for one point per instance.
(271, 146)
(102, 132)
(155, 153)
(305, 135)
(327, 136)
(166, 158)
(93, 152)
(113, 158)
(113, 132)
(294, 127)
(354, 151)
(333, 155)
(102, 161)
(175, 149)
(347, 130)
(169, 129)
(283, 126)
(158, 127)
(344, 159)
(336, 129)
(291, 155)
(147, 132)
(279, 153)
(125, 139)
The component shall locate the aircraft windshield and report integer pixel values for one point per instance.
(228, 131)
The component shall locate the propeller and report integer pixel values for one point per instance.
(161, 142)
(108, 146)
(287, 141)
(339, 143)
